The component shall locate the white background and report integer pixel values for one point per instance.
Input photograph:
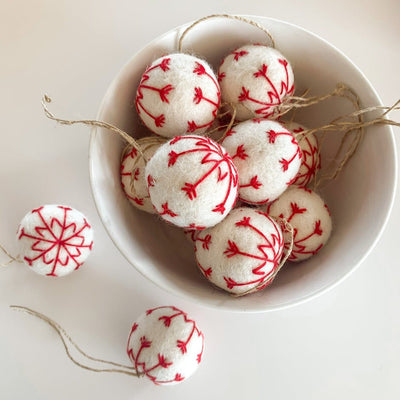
(342, 345)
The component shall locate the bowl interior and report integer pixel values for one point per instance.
(360, 200)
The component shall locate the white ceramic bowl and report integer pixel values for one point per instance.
(360, 200)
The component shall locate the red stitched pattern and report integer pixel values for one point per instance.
(191, 234)
(161, 120)
(301, 247)
(220, 168)
(124, 172)
(210, 150)
(132, 173)
(239, 54)
(275, 92)
(163, 92)
(254, 141)
(311, 160)
(266, 257)
(57, 242)
(167, 211)
(140, 349)
(274, 95)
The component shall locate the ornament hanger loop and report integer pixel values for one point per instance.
(228, 16)
(101, 124)
(67, 342)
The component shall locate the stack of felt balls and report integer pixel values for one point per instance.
(230, 196)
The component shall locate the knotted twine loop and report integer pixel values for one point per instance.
(285, 227)
(90, 122)
(67, 341)
(228, 16)
(10, 256)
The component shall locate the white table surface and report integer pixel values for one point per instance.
(344, 344)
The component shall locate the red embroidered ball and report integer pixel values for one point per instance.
(133, 179)
(192, 182)
(178, 94)
(242, 252)
(267, 157)
(54, 240)
(311, 158)
(165, 345)
(256, 79)
(309, 217)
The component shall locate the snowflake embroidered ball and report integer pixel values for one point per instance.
(165, 345)
(54, 240)
(267, 157)
(256, 79)
(132, 173)
(309, 217)
(192, 182)
(242, 252)
(178, 94)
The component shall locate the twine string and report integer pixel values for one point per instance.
(90, 122)
(66, 340)
(228, 126)
(286, 227)
(295, 102)
(228, 16)
(10, 256)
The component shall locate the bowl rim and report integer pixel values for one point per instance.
(204, 302)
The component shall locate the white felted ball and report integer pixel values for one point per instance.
(242, 252)
(192, 182)
(178, 94)
(309, 217)
(267, 157)
(311, 159)
(256, 78)
(54, 240)
(165, 345)
(133, 179)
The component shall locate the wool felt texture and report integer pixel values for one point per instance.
(54, 240)
(310, 218)
(241, 252)
(256, 79)
(192, 182)
(133, 179)
(267, 157)
(178, 94)
(311, 159)
(165, 345)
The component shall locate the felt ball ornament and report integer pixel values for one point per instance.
(165, 345)
(133, 179)
(54, 240)
(310, 218)
(192, 182)
(178, 94)
(257, 79)
(311, 158)
(242, 252)
(267, 157)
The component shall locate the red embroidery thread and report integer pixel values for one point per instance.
(162, 361)
(65, 242)
(213, 155)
